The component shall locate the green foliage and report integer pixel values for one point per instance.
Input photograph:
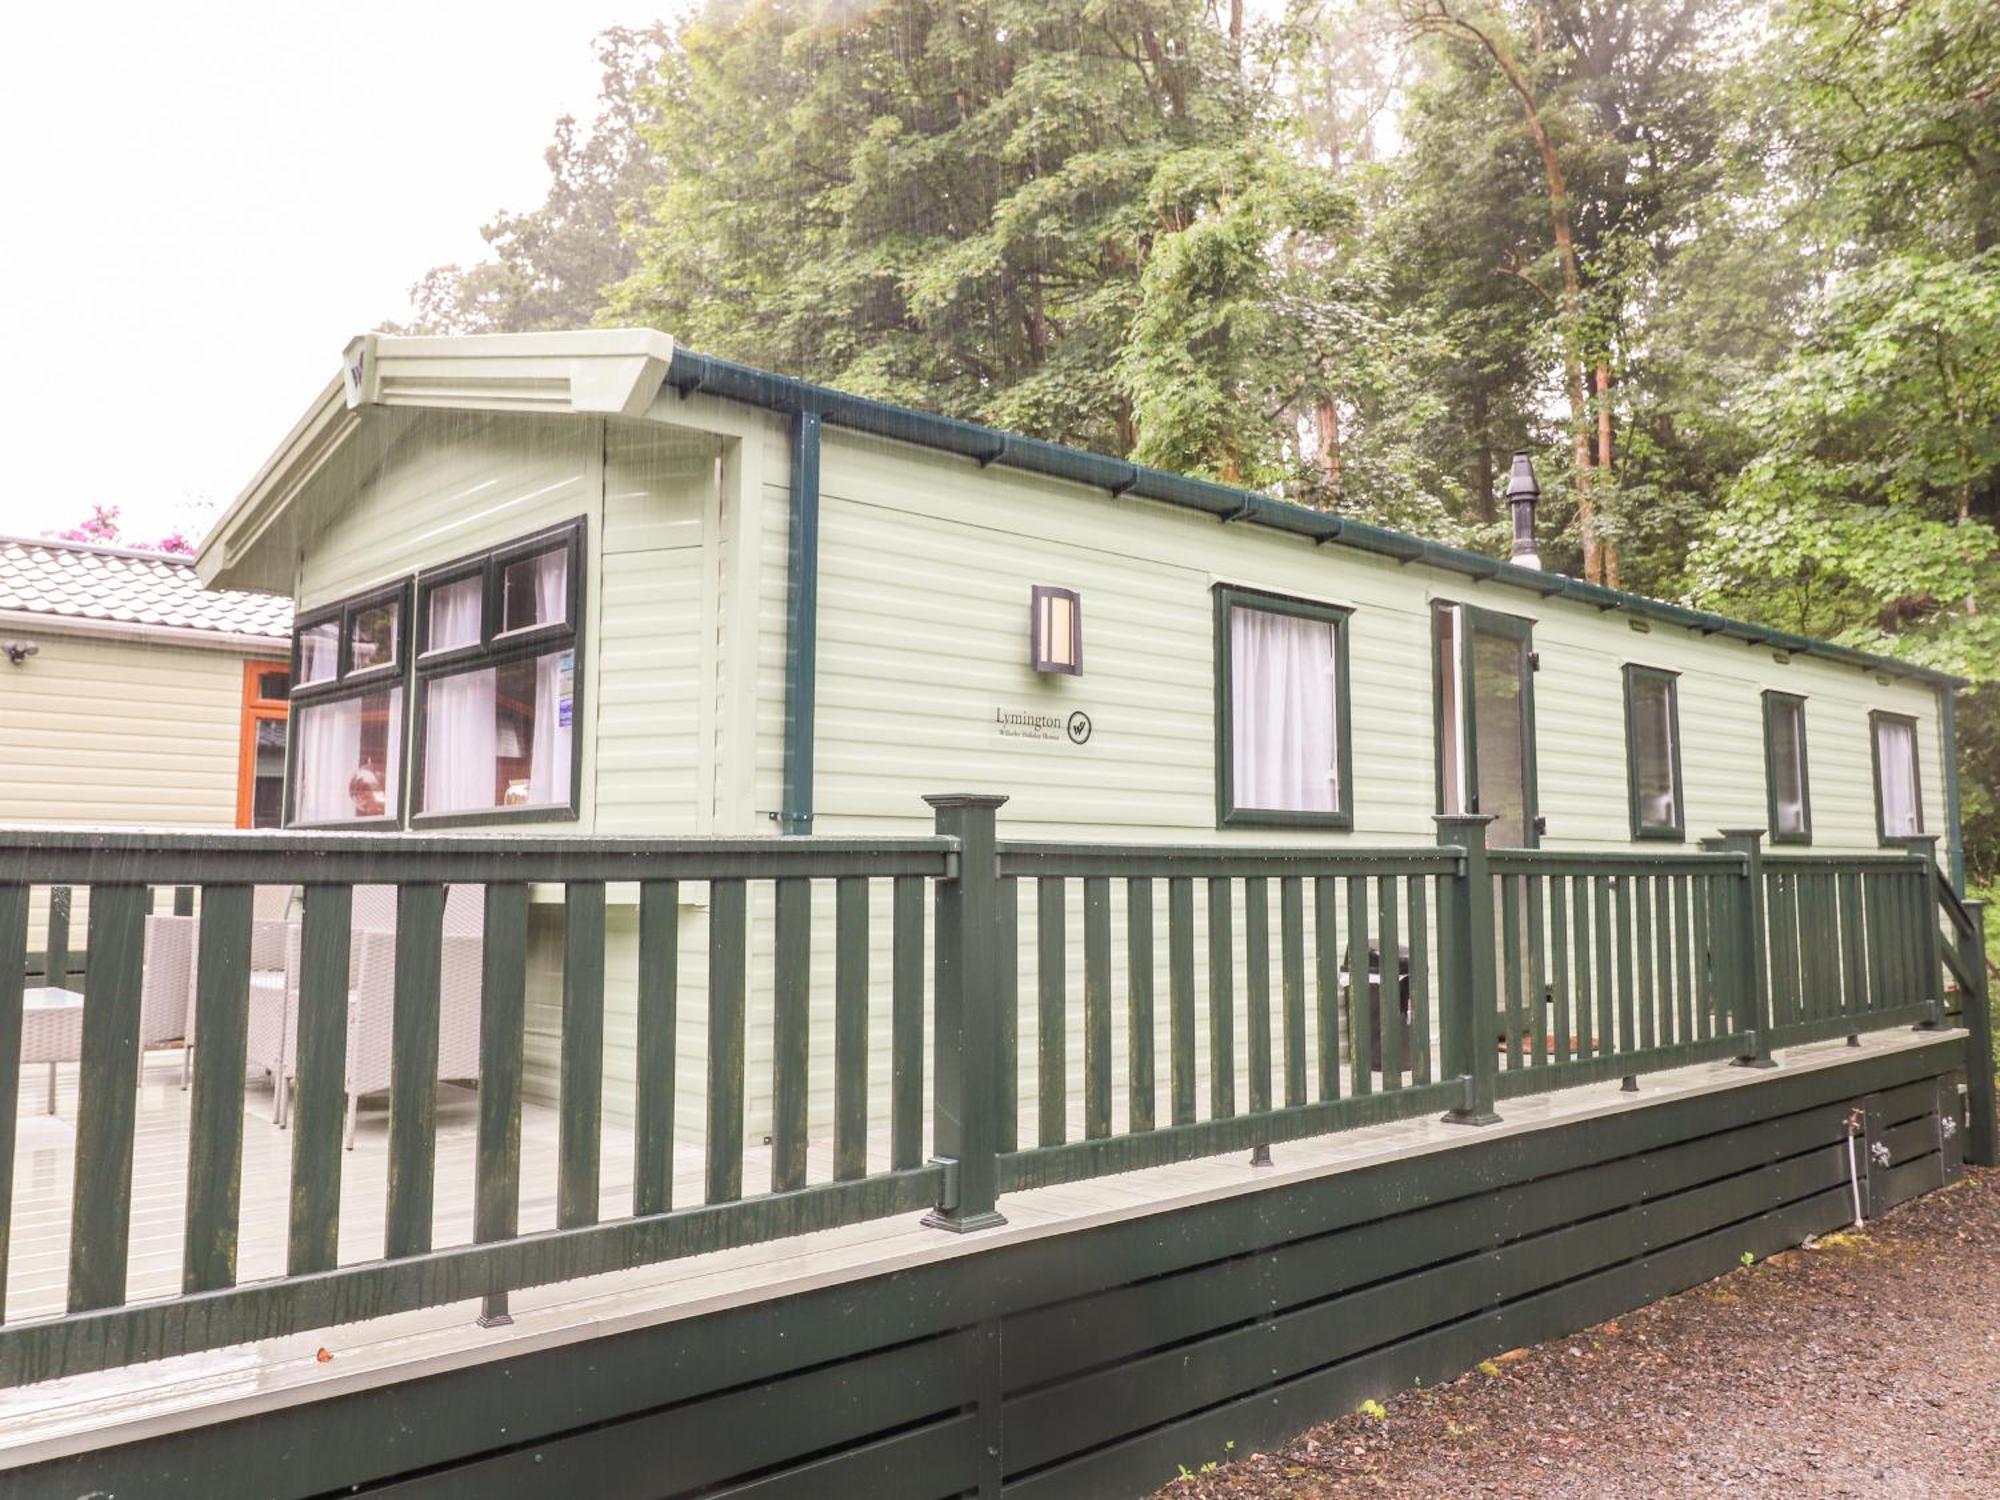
(552, 265)
(946, 205)
(1324, 256)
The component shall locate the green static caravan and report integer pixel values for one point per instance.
(594, 583)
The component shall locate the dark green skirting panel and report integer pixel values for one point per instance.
(1101, 1361)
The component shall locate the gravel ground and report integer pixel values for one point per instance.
(1866, 1365)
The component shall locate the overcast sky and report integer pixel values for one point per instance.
(204, 202)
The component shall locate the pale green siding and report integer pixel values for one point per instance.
(656, 629)
(925, 570)
(926, 566)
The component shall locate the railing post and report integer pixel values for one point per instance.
(1983, 1149)
(965, 1126)
(55, 943)
(1750, 978)
(1469, 1008)
(1924, 847)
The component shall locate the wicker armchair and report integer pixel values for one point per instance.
(166, 982)
(371, 1001)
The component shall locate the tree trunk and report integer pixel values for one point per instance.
(1326, 445)
(1482, 478)
(1609, 549)
(1572, 297)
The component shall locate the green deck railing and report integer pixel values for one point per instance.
(1303, 991)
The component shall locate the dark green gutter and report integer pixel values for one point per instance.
(691, 373)
(801, 624)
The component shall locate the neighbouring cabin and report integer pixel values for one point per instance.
(591, 583)
(132, 696)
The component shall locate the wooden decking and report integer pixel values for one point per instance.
(82, 1412)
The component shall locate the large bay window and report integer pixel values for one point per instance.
(348, 670)
(497, 681)
(1899, 798)
(1281, 712)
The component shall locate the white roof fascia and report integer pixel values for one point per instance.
(28, 622)
(605, 371)
(595, 371)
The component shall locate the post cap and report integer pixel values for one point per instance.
(952, 801)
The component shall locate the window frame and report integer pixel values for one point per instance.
(1774, 700)
(259, 708)
(1877, 717)
(347, 683)
(1676, 832)
(498, 648)
(1230, 596)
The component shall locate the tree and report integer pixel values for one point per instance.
(947, 205)
(102, 528)
(550, 266)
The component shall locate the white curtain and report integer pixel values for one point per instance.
(327, 749)
(1283, 693)
(460, 742)
(319, 653)
(454, 617)
(1896, 753)
(458, 712)
(555, 682)
(337, 759)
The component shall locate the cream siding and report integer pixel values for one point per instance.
(101, 731)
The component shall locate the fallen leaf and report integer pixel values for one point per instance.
(325, 1356)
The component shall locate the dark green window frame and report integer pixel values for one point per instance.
(1642, 827)
(1876, 718)
(351, 682)
(497, 648)
(1227, 813)
(1776, 703)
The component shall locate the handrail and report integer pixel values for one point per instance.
(1843, 861)
(1037, 859)
(132, 857)
(1594, 862)
(1954, 908)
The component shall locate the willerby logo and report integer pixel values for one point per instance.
(1028, 724)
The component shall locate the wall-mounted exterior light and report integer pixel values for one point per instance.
(1057, 630)
(19, 651)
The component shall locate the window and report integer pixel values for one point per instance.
(260, 769)
(1785, 768)
(1281, 712)
(1899, 799)
(346, 682)
(496, 682)
(1653, 753)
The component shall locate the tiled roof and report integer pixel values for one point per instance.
(74, 580)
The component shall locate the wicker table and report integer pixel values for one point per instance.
(51, 1029)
